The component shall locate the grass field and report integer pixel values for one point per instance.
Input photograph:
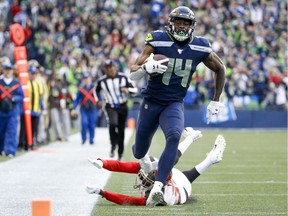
(251, 179)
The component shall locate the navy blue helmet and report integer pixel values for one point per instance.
(181, 12)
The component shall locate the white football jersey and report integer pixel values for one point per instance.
(178, 188)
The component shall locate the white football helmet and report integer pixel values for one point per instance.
(145, 182)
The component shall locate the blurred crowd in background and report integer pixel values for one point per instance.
(69, 38)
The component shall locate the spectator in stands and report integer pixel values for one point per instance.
(67, 75)
(280, 94)
(260, 87)
(59, 113)
(254, 32)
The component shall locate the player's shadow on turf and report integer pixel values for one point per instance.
(191, 200)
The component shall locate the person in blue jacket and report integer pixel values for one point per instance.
(87, 99)
(11, 95)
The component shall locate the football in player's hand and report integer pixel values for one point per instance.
(158, 57)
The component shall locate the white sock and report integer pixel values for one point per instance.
(146, 157)
(146, 163)
(201, 167)
(157, 185)
(183, 146)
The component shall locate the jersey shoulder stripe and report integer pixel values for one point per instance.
(200, 48)
(161, 43)
(159, 38)
(200, 44)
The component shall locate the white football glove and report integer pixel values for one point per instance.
(152, 66)
(213, 109)
(92, 190)
(97, 163)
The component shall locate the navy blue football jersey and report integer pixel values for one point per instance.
(184, 57)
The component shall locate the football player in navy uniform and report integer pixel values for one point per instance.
(178, 186)
(167, 86)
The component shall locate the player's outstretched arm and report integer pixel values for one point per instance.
(122, 199)
(116, 166)
(119, 199)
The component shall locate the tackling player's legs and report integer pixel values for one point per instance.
(190, 136)
(213, 157)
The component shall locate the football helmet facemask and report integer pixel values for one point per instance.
(181, 12)
(145, 181)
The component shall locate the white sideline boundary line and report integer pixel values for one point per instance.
(128, 134)
(57, 172)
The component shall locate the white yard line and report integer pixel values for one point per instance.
(130, 213)
(240, 182)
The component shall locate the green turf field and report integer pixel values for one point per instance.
(251, 179)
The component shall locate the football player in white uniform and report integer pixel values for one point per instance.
(178, 184)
